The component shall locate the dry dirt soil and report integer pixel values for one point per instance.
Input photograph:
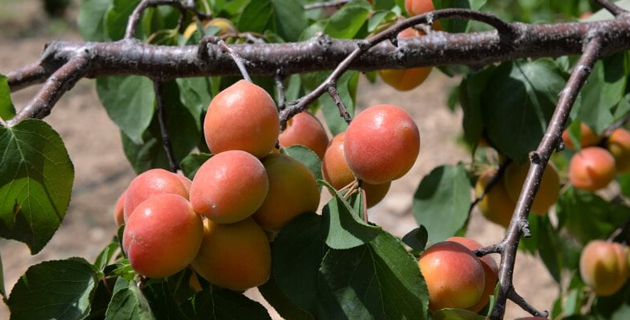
(102, 171)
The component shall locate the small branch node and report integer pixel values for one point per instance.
(364, 45)
(535, 157)
(343, 112)
(279, 80)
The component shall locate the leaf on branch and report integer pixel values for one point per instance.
(417, 238)
(36, 177)
(91, 19)
(378, 280)
(290, 19)
(60, 289)
(307, 157)
(347, 22)
(256, 17)
(281, 303)
(216, 303)
(128, 302)
(442, 201)
(7, 110)
(456, 25)
(471, 90)
(192, 162)
(117, 16)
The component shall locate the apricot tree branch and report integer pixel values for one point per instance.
(26, 76)
(161, 114)
(611, 7)
(343, 111)
(516, 298)
(539, 158)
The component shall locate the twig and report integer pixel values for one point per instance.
(621, 230)
(26, 76)
(240, 62)
(161, 113)
(516, 298)
(611, 7)
(320, 5)
(343, 111)
(539, 159)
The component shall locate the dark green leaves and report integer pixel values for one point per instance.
(128, 303)
(215, 303)
(36, 178)
(54, 290)
(307, 157)
(442, 201)
(379, 280)
(455, 25)
(347, 22)
(7, 110)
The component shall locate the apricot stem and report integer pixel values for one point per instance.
(166, 138)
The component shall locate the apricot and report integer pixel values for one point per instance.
(490, 268)
(336, 171)
(242, 117)
(119, 212)
(604, 266)
(496, 205)
(234, 256)
(454, 276)
(618, 144)
(225, 26)
(151, 183)
(548, 191)
(229, 187)
(418, 7)
(304, 129)
(405, 79)
(588, 137)
(292, 190)
(592, 168)
(381, 144)
(162, 236)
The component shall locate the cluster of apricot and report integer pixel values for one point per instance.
(456, 277)
(498, 204)
(599, 160)
(604, 266)
(219, 222)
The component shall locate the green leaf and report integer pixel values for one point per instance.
(195, 95)
(216, 303)
(471, 91)
(290, 19)
(347, 89)
(456, 25)
(36, 177)
(307, 157)
(345, 229)
(379, 17)
(549, 248)
(456, 314)
(256, 17)
(128, 302)
(7, 110)
(59, 289)
(587, 216)
(129, 101)
(117, 16)
(417, 238)
(384, 4)
(297, 252)
(279, 301)
(442, 201)
(517, 105)
(347, 21)
(603, 91)
(160, 296)
(379, 280)
(192, 162)
(106, 255)
(91, 19)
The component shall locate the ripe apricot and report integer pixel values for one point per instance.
(548, 191)
(381, 144)
(119, 212)
(588, 137)
(292, 190)
(604, 266)
(418, 7)
(304, 129)
(229, 187)
(405, 79)
(151, 183)
(336, 171)
(234, 256)
(592, 169)
(454, 276)
(162, 236)
(490, 268)
(618, 144)
(242, 117)
(496, 205)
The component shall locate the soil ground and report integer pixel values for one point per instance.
(102, 171)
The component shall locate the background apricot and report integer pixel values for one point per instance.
(234, 256)
(242, 117)
(588, 137)
(454, 276)
(618, 144)
(405, 79)
(150, 183)
(490, 269)
(604, 266)
(592, 168)
(548, 191)
(304, 129)
(162, 236)
(496, 205)
(417, 7)
(381, 144)
(229, 187)
(119, 212)
(292, 190)
(336, 171)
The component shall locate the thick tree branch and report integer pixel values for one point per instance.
(26, 76)
(539, 158)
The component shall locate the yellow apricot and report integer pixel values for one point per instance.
(496, 205)
(604, 266)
